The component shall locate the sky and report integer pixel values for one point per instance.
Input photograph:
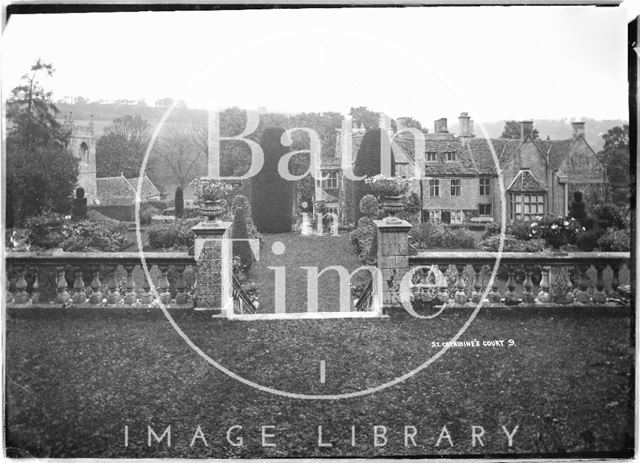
(494, 62)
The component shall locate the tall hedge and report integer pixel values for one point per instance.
(272, 195)
(241, 249)
(368, 164)
(179, 203)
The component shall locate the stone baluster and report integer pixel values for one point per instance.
(476, 295)
(163, 285)
(79, 294)
(511, 298)
(96, 287)
(63, 294)
(21, 295)
(527, 295)
(544, 297)
(615, 280)
(443, 295)
(494, 294)
(599, 296)
(113, 295)
(130, 296)
(181, 295)
(581, 294)
(460, 296)
(146, 297)
(35, 293)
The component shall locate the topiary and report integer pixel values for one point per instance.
(368, 206)
(79, 205)
(179, 203)
(368, 163)
(272, 195)
(241, 248)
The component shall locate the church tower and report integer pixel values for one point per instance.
(82, 144)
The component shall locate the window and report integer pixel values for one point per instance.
(485, 186)
(484, 209)
(432, 156)
(434, 216)
(451, 156)
(526, 206)
(456, 216)
(455, 187)
(330, 179)
(84, 153)
(434, 187)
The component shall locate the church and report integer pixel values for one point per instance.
(103, 191)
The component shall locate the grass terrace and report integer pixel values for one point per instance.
(76, 378)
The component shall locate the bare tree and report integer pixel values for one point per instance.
(180, 152)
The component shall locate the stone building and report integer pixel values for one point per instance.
(103, 191)
(460, 180)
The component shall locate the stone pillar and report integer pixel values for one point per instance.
(212, 251)
(393, 258)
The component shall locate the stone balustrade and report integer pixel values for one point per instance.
(98, 279)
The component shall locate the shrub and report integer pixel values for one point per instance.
(512, 244)
(363, 240)
(241, 249)
(436, 235)
(368, 164)
(95, 216)
(588, 240)
(555, 231)
(89, 236)
(615, 240)
(46, 231)
(365, 222)
(271, 194)
(491, 229)
(178, 202)
(368, 206)
(520, 230)
(174, 236)
(147, 214)
(241, 201)
(610, 215)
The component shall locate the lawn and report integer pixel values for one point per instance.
(75, 379)
(304, 251)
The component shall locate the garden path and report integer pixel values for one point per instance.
(304, 251)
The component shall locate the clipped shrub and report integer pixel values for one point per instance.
(87, 236)
(491, 229)
(271, 194)
(241, 249)
(241, 202)
(178, 203)
(459, 238)
(79, 205)
(95, 216)
(368, 206)
(173, 236)
(147, 214)
(430, 235)
(588, 240)
(512, 244)
(362, 239)
(368, 164)
(615, 240)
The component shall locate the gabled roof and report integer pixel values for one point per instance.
(554, 150)
(121, 190)
(525, 181)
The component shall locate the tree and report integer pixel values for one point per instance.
(180, 155)
(368, 164)
(40, 172)
(241, 248)
(615, 157)
(179, 203)
(512, 130)
(272, 195)
(121, 149)
(363, 115)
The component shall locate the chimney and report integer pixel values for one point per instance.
(526, 128)
(578, 129)
(401, 123)
(440, 126)
(465, 125)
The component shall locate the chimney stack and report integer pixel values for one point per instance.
(526, 128)
(440, 126)
(465, 125)
(578, 129)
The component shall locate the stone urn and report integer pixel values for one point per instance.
(392, 204)
(213, 208)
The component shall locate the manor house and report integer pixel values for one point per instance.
(460, 178)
